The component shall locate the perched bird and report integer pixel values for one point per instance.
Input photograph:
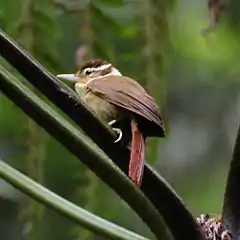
(121, 101)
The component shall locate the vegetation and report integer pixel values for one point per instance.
(193, 78)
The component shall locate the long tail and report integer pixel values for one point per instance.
(136, 165)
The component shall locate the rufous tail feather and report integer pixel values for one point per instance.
(136, 165)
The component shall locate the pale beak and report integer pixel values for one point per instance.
(68, 77)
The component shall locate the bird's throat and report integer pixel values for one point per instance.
(79, 87)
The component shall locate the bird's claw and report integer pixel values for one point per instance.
(117, 130)
(112, 122)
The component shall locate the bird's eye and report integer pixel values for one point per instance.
(88, 72)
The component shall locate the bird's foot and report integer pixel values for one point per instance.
(116, 130)
(119, 133)
(112, 122)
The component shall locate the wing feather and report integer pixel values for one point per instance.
(127, 93)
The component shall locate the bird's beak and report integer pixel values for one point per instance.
(68, 77)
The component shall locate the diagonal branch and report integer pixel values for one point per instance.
(64, 207)
(153, 186)
(85, 150)
(231, 206)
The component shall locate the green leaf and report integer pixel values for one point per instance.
(64, 207)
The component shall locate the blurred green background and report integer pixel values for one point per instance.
(157, 42)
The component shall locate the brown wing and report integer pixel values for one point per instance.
(127, 93)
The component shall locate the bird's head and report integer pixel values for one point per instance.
(91, 70)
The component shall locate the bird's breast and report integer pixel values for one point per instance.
(102, 108)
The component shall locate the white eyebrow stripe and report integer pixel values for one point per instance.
(100, 68)
(115, 72)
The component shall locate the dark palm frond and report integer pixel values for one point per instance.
(231, 205)
(166, 201)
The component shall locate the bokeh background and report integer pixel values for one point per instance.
(194, 78)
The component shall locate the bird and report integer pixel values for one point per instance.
(119, 101)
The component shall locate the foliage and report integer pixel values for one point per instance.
(125, 33)
(64, 207)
